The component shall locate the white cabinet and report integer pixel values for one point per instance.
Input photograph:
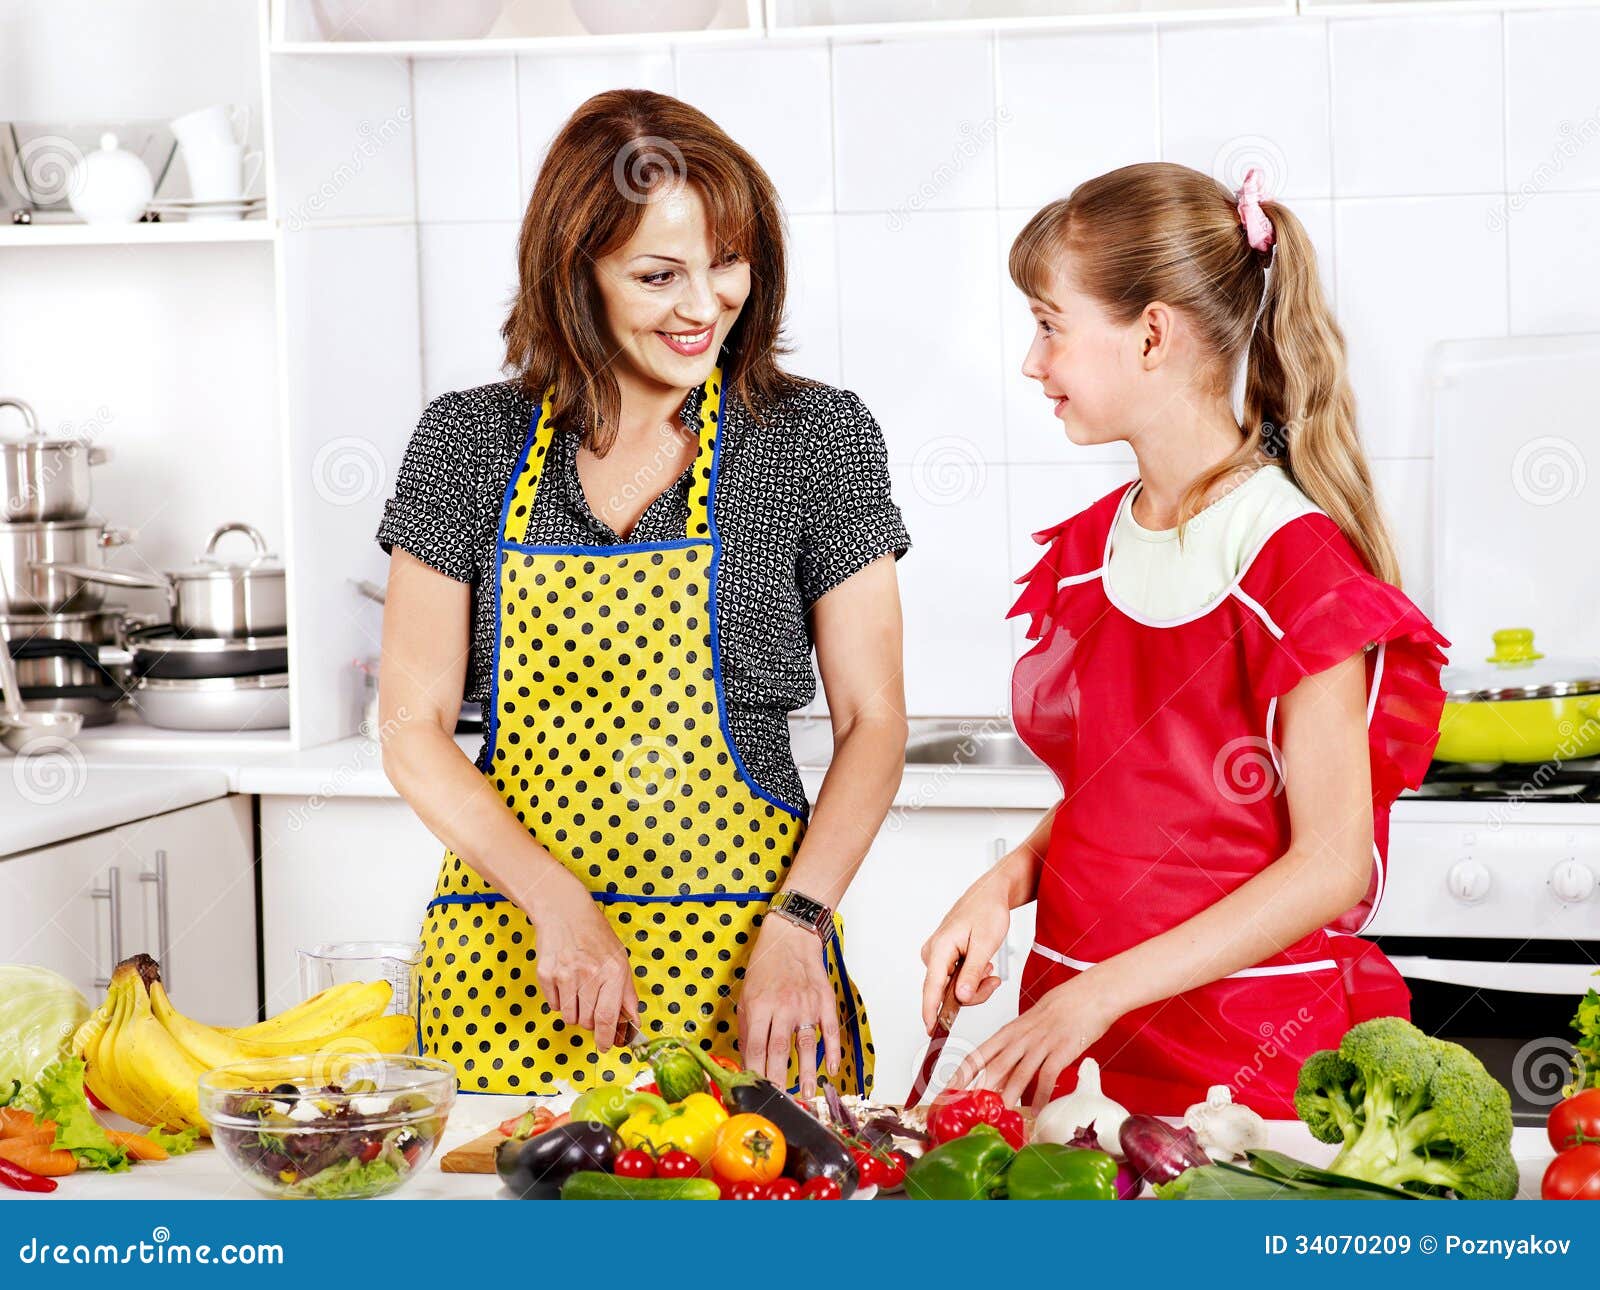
(338, 869)
(178, 886)
(921, 862)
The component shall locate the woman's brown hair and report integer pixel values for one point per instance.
(1160, 231)
(613, 153)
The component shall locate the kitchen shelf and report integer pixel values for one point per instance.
(1431, 8)
(849, 20)
(165, 234)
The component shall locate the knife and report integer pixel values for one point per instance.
(948, 1007)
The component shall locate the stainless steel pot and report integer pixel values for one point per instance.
(214, 703)
(157, 652)
(43, 562)
(215, 597)
(107, 625)
(45, 478)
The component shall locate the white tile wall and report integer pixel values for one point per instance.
(1446, 166)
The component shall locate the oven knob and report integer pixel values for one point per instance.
(1572, 881)
(1468, 881)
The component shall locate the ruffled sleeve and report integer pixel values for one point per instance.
(1321, 606)
(1074, 546)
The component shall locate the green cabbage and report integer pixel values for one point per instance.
(39, 1010)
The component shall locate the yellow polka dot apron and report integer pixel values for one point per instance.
(608, 737)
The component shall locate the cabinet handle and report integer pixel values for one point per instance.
(163, 949)
(111, 893)
(1002, 957)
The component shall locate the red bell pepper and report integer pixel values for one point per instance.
(954, 1114)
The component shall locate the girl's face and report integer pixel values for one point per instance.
(1085, 363)
(670, 296)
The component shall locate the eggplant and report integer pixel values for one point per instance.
(812, 1150)
(535, 1168)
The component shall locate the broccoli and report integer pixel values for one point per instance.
(1411, 1111)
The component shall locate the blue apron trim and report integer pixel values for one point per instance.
(716, 638)
(616, 548)
(492, 723)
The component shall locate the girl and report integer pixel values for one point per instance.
(627, 553)
(1226, 680)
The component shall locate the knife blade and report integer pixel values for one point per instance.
(948, 1008)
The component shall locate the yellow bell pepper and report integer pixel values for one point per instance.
(656, 1125)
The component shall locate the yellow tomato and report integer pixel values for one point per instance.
(750, 1148)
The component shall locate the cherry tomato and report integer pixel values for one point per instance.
(867, 1167)
(783, 1189)
(634, 1163)
(1574, 1120)
(369, 1151)
(821, 1189)
(677, 1164)
(747, 1190)
(1573, 1175)
(892, 1171)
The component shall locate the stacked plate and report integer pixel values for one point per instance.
(204, 208)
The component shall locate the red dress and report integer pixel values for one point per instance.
(1163, 735)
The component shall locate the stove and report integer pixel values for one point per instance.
(1491, 911)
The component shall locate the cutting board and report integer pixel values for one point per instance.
(477, 1156)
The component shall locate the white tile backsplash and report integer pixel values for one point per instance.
(1552, 108)
(907, 165)
(1251, 95)
(777, 104)
(1053, 92)
(914, 125)
(1418, 106)
(1412, 272)
(1555, 263)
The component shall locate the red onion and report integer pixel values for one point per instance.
(1158, 1152)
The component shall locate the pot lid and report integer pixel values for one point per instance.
(1517, 670)
(34, 433)
(262, 563)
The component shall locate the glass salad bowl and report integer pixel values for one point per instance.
(328, 1126)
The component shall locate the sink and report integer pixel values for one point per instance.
(987, 743)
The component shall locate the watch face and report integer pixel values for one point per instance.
(803, 907)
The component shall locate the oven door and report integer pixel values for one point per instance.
(1510, 1002)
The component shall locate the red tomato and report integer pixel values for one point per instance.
(1575, 1120)
(783, 1189)
(746, 1191)
(1573, 1175)
(821, 1189)
(634, 1163)
(677, 1164)
(369, 1151)
(866, 1166)
(892, 1172)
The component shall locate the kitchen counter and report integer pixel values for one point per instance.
(205, 1175)
(45, 800)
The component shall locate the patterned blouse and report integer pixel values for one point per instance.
(802, 502)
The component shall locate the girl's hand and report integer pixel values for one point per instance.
(786, 987)
(579, 963)
(973, 930)
(1041, 1043)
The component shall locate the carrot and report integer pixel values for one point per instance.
(15, 1122)
(38, 1157)
(137, 1145)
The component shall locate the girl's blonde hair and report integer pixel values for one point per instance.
(1159, 231)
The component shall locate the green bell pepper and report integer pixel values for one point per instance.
(1053, 1171)
(607, 1105)
(971, 1167)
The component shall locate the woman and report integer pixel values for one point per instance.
(627, 554)
(1226, 680)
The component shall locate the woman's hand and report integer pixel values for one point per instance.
(1041, 1043)
(579, 963)
(786, 987)
(973, 931)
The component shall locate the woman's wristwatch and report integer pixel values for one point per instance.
(810, 914)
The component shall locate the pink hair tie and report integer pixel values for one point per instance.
(1256, 224)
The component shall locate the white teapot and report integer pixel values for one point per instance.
(111, 185)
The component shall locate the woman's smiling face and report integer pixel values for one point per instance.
(671, 295)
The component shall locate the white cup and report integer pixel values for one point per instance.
(214, 126)
(223, 173)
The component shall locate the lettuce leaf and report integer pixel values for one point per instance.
(348, 1178)
(58, 1095)
(175, 1144)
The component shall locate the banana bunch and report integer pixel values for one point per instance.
(145, 1058)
